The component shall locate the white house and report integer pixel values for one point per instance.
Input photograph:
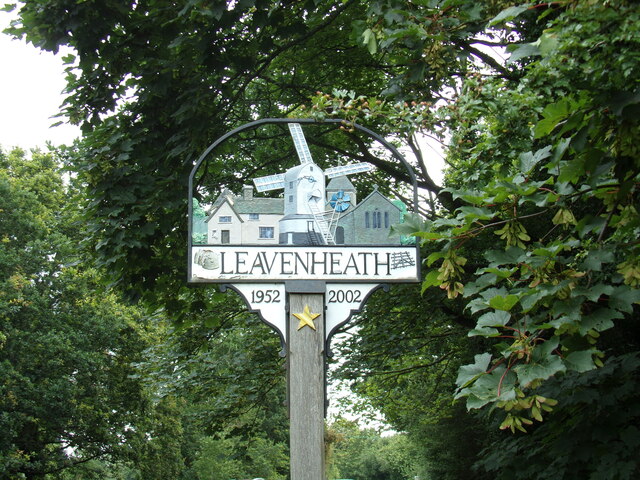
(244, 220)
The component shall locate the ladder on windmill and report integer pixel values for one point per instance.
(326, 220)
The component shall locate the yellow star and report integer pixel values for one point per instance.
(306, 318)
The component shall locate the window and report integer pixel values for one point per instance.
(290, 198)
(254, 216)
(224, 219)
(377, 220)
(266, 232)
(224, 236)
(386, 219)
(374, 219)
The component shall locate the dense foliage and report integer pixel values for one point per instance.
(95, 388)
(528, 306)
(66, 345)
(543, 163)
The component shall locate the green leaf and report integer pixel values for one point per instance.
(571, 171)
(522, 51)
(434, 257)
(481, 283)
(411, 223)
(600, 320)
(500, 273)
(548, 367)
(595, 258)
(491, 387)
(512, 255)
(483, 332)
(623, 297)
(547, 43)
(531, 298)
(431, 280)
(494, 319)
(369, 39)
(528, 160)
(505, 303)
(552, 115)
(508, 14)
(593, 292)
(467, 374)
(472, 214)
(580, 361)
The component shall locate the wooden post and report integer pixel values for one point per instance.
(306, 381)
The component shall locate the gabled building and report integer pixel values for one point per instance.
(245, 219)
(369, 222)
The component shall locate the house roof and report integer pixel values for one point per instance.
(218, 205)
(241, 205)
(260, 205)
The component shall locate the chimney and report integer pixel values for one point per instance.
(247, 192)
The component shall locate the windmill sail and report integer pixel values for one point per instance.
(300, 143)
(348, 169)
(270, 182)
(313, 204)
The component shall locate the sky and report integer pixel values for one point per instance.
(31, 85)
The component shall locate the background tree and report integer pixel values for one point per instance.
(66, 344)
(364, 454)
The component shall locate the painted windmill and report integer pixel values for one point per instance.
(308, 218)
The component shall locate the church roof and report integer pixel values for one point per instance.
(364, 204)
(341, 183)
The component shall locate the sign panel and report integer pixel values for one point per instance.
(268, 300)
(233, 263)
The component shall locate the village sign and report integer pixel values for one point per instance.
(305, 261)
(316, 231)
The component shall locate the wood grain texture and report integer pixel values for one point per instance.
(306, 379)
